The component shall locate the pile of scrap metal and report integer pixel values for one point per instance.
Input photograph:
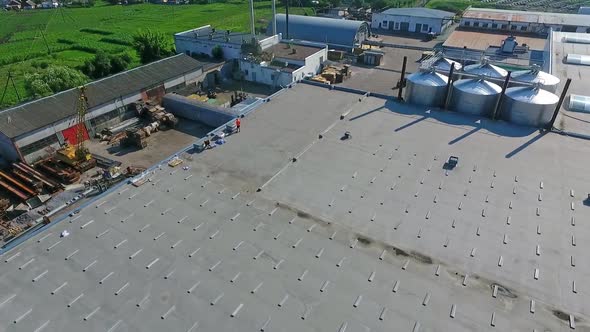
(133, 135)
(105, 179)
(137, 136)
(333, 74)
(22, 182)
(153, 112)
(59, 171)
(237, 98)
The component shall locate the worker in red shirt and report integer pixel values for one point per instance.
(238, 123)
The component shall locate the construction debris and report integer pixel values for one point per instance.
(333, 74)
(175, 162)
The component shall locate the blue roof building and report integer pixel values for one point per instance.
(336, 33)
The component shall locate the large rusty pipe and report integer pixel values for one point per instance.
(401, 80)
(13, 190)
(18, 184)
(33, 172)
(558, 107)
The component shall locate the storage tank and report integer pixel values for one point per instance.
(444, 65)
(474, 96)
(486, 69)
(535, 76)
(528, 106)
(579, 104)
(426, 88)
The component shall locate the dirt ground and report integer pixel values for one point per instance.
(382, 79)
(161, 145)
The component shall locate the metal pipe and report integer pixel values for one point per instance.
(19, 185)
(401, 80)
(252, 29)
(499, 101)
(449, 85)
(287, 19)
(558, 106)
(274, 17)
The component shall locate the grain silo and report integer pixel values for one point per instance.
(535, 76)
(528, 106)
(486, 69)
(474, 96)
(426, 88)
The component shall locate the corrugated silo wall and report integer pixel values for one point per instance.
(195, 110)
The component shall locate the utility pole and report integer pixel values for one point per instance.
(9, 79)
(44, 40)
(287, 19)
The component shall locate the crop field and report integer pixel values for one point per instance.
(69, 36)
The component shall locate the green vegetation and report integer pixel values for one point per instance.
(74, 35)
(457, 6)
(53, 79)
(105, 64)
(152, 46)
(217, 52)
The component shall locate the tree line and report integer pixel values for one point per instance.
(49, 79)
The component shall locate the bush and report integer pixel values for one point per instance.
(52, 80)
(152, 46)
(217, 52)
(105, 64)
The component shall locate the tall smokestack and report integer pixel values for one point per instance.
(252, 18)
(274, 17)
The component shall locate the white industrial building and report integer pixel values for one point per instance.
(284, 63)
(523, 21)
(30, 131)
(418, 20)
(201, 42)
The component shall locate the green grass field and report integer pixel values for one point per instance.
(71, 37)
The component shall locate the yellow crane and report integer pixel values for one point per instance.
(78, 155)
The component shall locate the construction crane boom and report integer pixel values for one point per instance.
(81, 110)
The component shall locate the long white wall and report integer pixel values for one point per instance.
(508, 26)
(394, 23)
(190, 45)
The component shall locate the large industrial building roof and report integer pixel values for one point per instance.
(419, 12)
(320, 29)
(365, 234)
(527, 16)
(39, 113)
(482, 40)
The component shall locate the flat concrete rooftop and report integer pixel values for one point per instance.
(366, 234)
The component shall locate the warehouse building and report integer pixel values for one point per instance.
(524, 21)
(31, 130)
(283, 230)
(284, 63)
(336, 33)
(418, 20)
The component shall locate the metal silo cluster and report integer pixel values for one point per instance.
(522, 97)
